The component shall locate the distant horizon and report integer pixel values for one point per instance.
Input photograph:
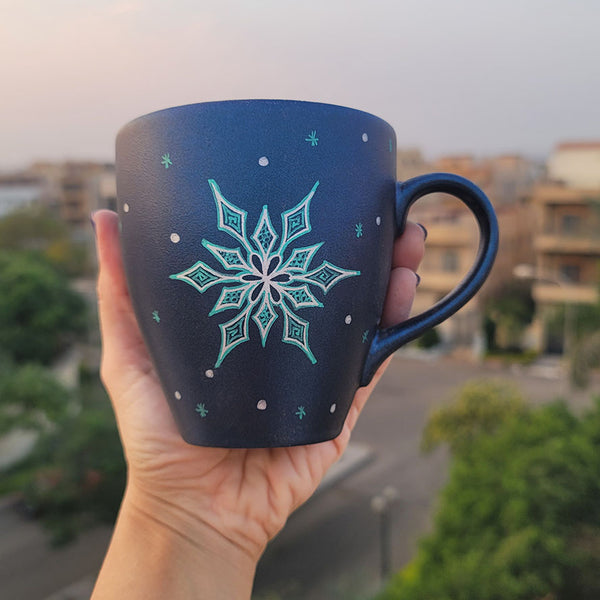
(466, 77)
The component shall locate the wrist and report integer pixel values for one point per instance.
(158, 553)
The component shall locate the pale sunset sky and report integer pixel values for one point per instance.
(461, 76)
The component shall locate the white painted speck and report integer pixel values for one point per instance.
(261, 405)
(348, 319)
(378, 221)
(175, 238)
(332, 408)
(365, 137)
(263, 161)
(126, 207)
(178, 395)
(209, 373)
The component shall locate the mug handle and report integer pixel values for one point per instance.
(387, 341)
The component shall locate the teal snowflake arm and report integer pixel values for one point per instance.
(230, 218)
(230, 298)
(327, 275)
(300, 258)
(296, 221)
(295, 331)
(264, 235)
(230, 258)
(233, 333)
(202, 277)
(264, 317)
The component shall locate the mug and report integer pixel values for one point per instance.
(257, 239)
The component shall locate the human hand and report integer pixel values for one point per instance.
(225, 502)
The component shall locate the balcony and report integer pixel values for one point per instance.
(551, 293)
(584, 242)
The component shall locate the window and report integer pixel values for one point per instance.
(570, 224)
(450, 261)
(570, 273)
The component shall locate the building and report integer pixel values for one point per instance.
(453, 238)
(78, 189)
(576, 165)
(567, 255)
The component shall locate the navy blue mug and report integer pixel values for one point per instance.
(257, 239)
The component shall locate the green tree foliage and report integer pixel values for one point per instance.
(40, 315)
(40, 233)
(481, 406)
(507, 313)
(519, 518)
(30, 398)
(75, 475)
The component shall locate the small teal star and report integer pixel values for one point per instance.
(312, 138)
(300, 413)
(365, 336)
(201, 410)
(166, 160)
(155, 316)
(359, 229)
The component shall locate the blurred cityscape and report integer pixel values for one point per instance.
(523, 325)
(549, 218)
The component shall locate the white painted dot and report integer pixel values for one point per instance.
(365, 137)
(263, 161)
(178, 395)
(209, 373)
(175, 238)
(348, 319)
(126, 207)
(332, 408)
(378, 221)
(261, 405)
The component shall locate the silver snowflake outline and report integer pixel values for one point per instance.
(260, 277)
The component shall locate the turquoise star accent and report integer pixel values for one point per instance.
(300, 413)
(201, 410)
(155, 316)
(263, 277)
(365, 336)
(312, 138)
(166, 160)
(359, 229)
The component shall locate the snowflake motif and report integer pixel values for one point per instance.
(263, 279)
(201, 410)
(301, 412)
(156, 316)
(358, 228)
(312, 138)
(166, 161)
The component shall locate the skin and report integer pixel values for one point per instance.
(194, 521)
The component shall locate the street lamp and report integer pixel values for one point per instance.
(382, 505)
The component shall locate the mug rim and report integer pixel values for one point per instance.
(280, 101)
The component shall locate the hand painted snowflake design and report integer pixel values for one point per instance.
(263, 279)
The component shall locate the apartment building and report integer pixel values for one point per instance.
(453, 238)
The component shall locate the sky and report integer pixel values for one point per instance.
(482, 77)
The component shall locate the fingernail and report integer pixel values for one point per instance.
(93, 222)
(418, 279)
(424, 231)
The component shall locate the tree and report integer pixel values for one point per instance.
(519, 517)
(40, 315)
(30, 398)
(75, 475)
(508, 313)
(481, 406)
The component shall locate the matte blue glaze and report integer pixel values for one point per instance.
(257, 238)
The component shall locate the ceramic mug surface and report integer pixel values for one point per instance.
(257, 239)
